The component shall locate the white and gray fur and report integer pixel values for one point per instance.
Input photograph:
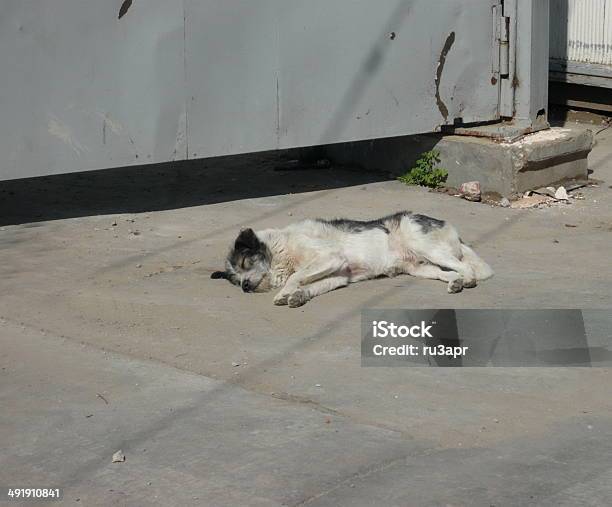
(312, 257)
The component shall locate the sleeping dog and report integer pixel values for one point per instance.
(312, 257)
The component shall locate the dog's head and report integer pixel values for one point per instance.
(248, 263)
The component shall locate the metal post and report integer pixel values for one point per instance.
(524, 95)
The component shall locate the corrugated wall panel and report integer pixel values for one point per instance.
(607, 58)
(581, 31)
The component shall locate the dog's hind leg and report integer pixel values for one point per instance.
(305, 293)
(455, 282)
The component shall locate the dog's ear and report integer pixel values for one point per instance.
(219, 274)
(246, 240)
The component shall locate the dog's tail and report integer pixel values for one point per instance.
(481, 269)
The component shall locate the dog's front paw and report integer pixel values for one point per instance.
(281, 299)
(297, 298)
(455, 286)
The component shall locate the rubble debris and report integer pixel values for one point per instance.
(539, 198)
(470, 191)
(118, 457)
(549, 191)
(561, 194)
(531, 202)
(545, 196)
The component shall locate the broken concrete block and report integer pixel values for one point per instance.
(507, 168)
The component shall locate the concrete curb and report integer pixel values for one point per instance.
(508, 168)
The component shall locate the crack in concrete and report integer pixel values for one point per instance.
(373, 469)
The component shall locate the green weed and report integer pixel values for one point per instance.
(426, 172)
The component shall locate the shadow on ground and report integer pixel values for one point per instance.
(169, 185)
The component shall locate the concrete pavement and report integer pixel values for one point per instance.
(113, 336)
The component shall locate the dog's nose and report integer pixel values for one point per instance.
(246, 286)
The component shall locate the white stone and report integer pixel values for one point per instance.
(561, 194)
(118, 457)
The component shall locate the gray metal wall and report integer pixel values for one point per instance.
(176, 79)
